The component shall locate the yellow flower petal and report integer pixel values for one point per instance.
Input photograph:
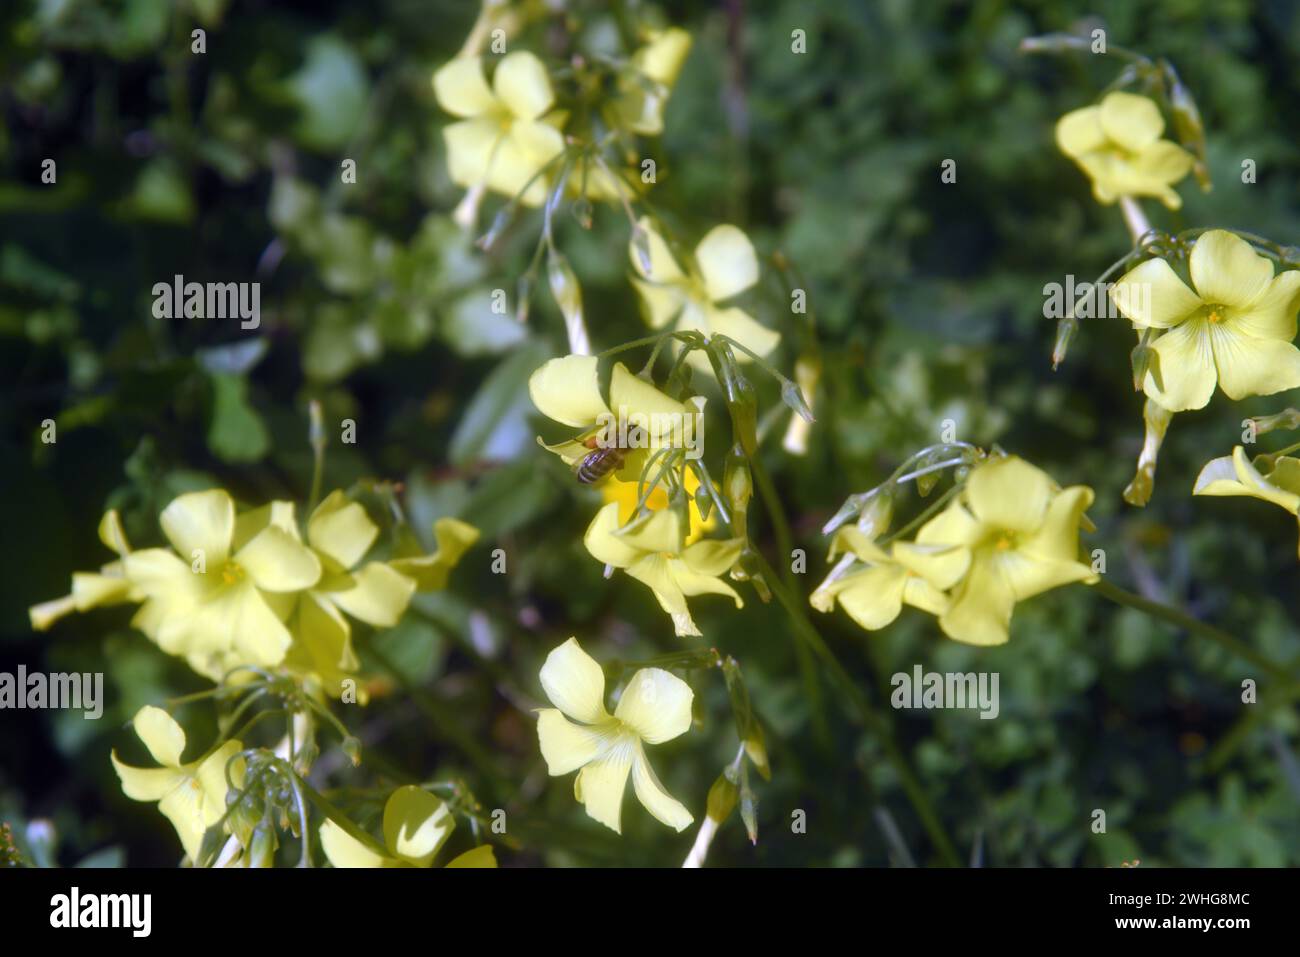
(379, 595)
(1186, 367)
(653, 796)
(161, 734)
(980, 612)
(522, 84)
(416, 824)
(1250, 366)
(480, 856)
(1057, 539)
(655, 532)
(1009, 493)
(656, 704)
(636, 402)
(655, 571)
(661, 304)
(111, 532)
(276, 561)
(1079, 131)
(344, 850)
(430, 572)
(567, 746)
(661, 59)
(522, 153)
(940, 565)
(1163, 162)
(574, 683)
(1273, 314)
(567, 390)
(471, 147)
(872, 597)
(713, 557)
(341, 529)
(603, 544)
(1151, 294)
(1227, 271)
(600, 785)
(740, 326)
(691, 581)
(461, 89)
(727, 262)
(663, 267)
(146, 784)
(203, 522)
(1134, 122)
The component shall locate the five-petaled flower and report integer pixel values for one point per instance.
(1117, 143)
(416, 825)
(1233, 327)
(567, 389)
(505, 138)
(1010, 535)
(652, 549)
(723, 266)
(1237, 475)
(655, 707)
(192, 796)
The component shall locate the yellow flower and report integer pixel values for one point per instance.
(1010, 535)
(644, 93)
(192, 796)
(1118, 145)
(502, 140)
(614, 489)
(567, 389)
(653, 551)
(1237, 475)
(724, 265)
(221, 603)
(875, 593)
(1235, 329)
(340, 533)
(416, 825)
(655, 707)
(108, 586)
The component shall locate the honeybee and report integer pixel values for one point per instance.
(599, 462)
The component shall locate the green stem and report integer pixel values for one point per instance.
(874, 721)
(1185, 621)
(784, 546)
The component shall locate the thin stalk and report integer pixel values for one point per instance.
(1185, 621)
(877, 724)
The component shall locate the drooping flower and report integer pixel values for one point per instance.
(192, 796)
(503, 138)
(416, 825)
(108, 586)
(1010, 535)
(874, 592)
(723, 266)
(655, 707)
(1233, 327)
(644, 91)
(1236, 475)
(1117, 143)
(567, 389)
(652, 550)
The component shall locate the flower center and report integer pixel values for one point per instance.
(231, 573)
(1004, 541)
(1215, 315)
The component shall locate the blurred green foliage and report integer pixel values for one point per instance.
(225, 166)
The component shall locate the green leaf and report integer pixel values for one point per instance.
(236, 432)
